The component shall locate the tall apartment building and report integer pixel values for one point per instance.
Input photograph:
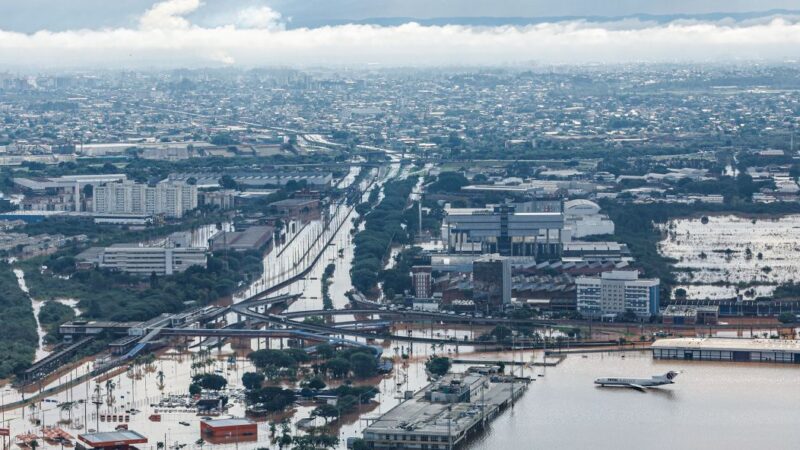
(173, 199)
(616, 292)
(491, 282)
(422, 280)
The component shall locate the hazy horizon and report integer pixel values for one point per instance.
(191, 33)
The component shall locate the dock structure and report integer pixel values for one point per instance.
(446, 412)
(785, 351)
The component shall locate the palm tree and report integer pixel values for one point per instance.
(110, 392)
(66, 406)
(160, 377)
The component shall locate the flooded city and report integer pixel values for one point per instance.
(722, 257)
(399, 225)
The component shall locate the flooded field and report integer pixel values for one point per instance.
(716, 257)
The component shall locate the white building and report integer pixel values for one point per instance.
(175, 255)
(502, 230)
(173, 199)
(582, 218)
(616, 292)
(147, 260)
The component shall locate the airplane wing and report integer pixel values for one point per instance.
(638, 387)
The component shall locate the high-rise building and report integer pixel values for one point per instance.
(171, 198)
(491, 282)
(616, 292)
(422, 279)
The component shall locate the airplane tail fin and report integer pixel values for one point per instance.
(671, 375)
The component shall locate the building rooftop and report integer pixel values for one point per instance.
(112, 438)
(730, 344)
(419, 415)
(232, 422)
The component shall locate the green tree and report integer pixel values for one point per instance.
(316, 383)
(210, 381)
(339, 367)
(252, 380)
(787, 317)
(326, 411)
(438, 365)
(363, 365)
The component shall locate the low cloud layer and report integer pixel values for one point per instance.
(165, 37)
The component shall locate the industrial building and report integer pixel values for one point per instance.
(728, 349)
(596, 251)
(256, 238)
(502, 230)
(616, 292)
(302, 209)
(690, 315)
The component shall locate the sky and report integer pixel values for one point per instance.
(257, 33)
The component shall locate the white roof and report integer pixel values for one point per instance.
(729, 344)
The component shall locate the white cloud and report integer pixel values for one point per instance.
(168, 14)
(263, 18)
(166, 38)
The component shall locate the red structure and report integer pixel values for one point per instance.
(229, 430)
(113, 440)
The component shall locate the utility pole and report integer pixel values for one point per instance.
(449, 434)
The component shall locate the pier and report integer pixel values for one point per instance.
(446, 412)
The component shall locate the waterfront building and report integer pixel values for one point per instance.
(616, 292)
(445, 413)
(728, 349)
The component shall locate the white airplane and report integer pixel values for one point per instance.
(639, 383)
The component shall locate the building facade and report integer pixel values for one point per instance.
(503, 231)
(172, 199)
(491, 279)
(617, 292)
(422, 280)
